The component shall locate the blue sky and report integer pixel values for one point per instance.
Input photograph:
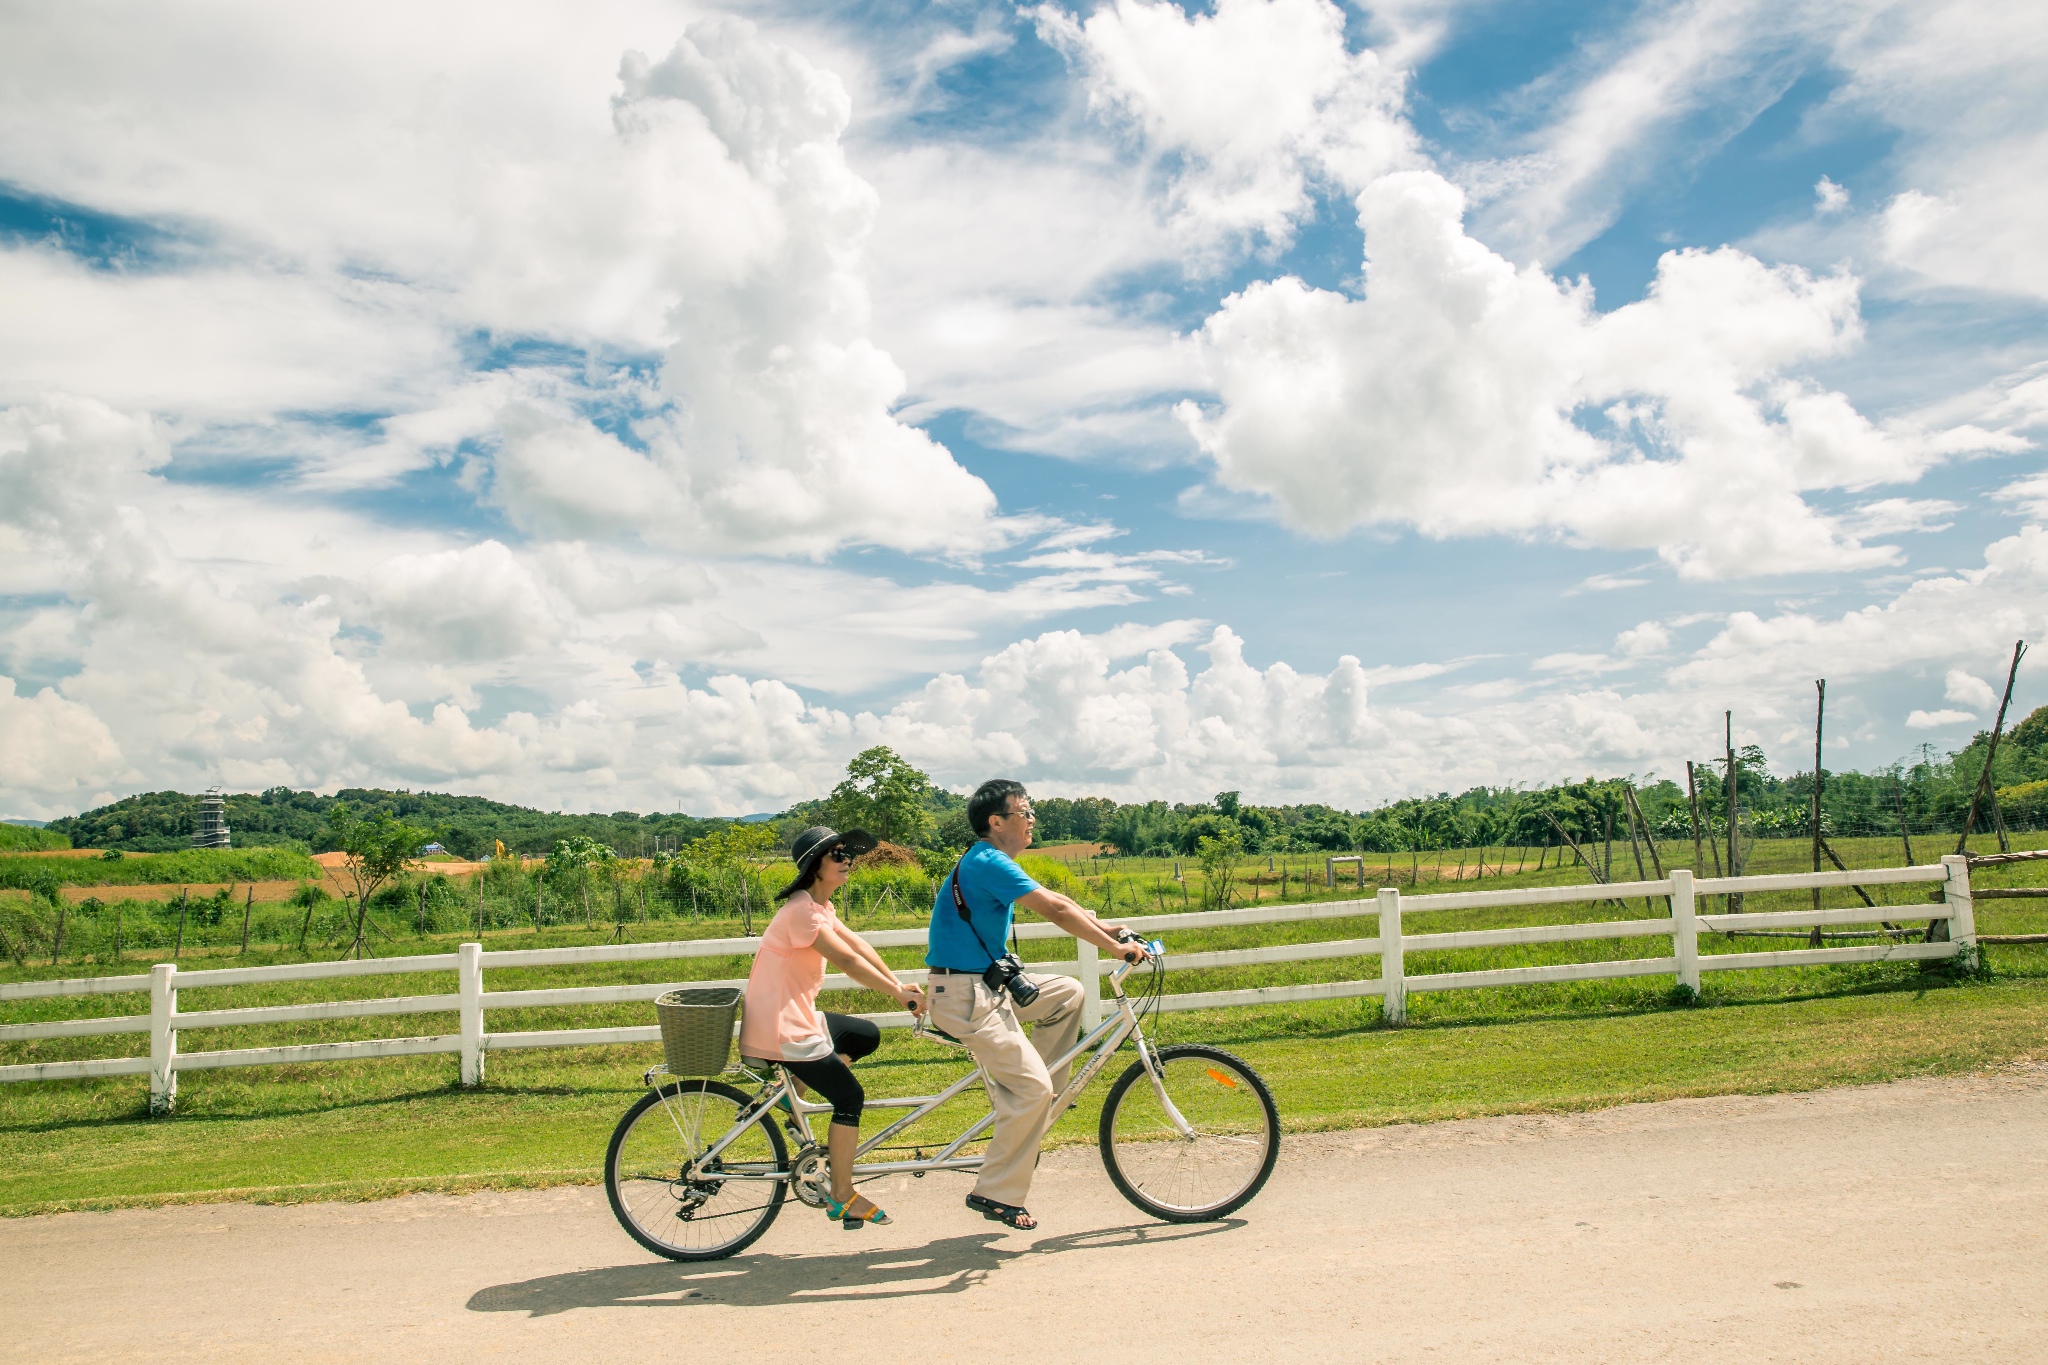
(654, 405)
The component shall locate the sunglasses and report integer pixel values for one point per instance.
(840, 855)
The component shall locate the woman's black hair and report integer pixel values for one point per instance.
(991, 798)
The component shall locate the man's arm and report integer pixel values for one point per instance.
(1080, 921)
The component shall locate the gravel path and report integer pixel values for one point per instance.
(1898, 1222)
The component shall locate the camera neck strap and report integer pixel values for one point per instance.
(967, 918)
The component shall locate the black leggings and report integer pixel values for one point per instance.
(834, 1079)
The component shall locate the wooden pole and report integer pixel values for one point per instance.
(1733, 902)
(1628, 796)
(183, 894)
(248, 909)
(1905, 835)
(1656, 862)
(1692, 803)
(1820, 709)
(1591, 866)
(57, 939)
(1984, 778)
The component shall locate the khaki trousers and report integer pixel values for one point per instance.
(1021, 1089)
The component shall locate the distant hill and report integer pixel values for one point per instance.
(160, 822)
(25, 836)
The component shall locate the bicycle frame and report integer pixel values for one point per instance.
(1105, 1038)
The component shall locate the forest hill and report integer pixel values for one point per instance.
(1932, 793)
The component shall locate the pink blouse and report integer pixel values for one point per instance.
(782, 1021)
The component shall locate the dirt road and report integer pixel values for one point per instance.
(1902, 1222)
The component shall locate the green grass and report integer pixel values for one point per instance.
(365, 1130)
(192, 865)
(372, 1128)
(26, 838)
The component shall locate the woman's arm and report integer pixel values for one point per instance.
(865, 949)
(838, 947)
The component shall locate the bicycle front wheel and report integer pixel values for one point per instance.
(1215, 1159)
(719, 1212)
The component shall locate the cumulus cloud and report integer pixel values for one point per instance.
(1937, 720)
(711, 219)
(1451, 397)
(200, 635)
(1253, 102)
(1968, 688)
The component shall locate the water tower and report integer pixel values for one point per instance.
(213, 820)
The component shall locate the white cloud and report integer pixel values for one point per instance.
(1706, 66)
(1255, 101)
(1961, 84)
(1937, 720)
(1445, 399)
(358, 212)
(1828, 197)
(1646, 639)
(1968, 688)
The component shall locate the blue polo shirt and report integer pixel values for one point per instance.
(990, 881)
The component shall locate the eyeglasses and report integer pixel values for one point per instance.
(1026, 814)
(840, 855)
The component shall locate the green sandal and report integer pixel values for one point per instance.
(851, 1221)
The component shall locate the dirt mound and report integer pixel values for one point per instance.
(886, 854)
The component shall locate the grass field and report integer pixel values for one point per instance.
(366, 1128)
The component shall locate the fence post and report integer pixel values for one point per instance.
(163, 1037)
(469, 977)
(1962, 920)
(1090, 963)
(1329, 872)
(1685, 929)
(1393, 973)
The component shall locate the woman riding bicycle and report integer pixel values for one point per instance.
(783, 1024)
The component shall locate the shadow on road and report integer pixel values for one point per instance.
(947, 1266)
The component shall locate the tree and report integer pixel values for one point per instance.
(375, 850)
(572, 861)
(883, 795)
(1219, 856)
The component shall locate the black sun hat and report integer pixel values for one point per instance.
(814, 843)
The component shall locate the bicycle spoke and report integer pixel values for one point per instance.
(702, 1217)
(1220, 1162)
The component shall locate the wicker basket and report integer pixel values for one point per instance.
(696, 1029)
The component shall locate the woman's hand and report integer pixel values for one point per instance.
(911, 998)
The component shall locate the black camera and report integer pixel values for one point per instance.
(1006, 973)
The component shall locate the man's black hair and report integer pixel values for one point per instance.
(991, 798)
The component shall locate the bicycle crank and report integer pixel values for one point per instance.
(810, 1177)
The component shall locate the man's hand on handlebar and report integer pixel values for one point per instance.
(1132, 947)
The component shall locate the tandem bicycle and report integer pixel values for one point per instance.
(698, 1168)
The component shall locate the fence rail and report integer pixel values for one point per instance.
(1391, 944)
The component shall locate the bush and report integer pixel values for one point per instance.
(28, 839)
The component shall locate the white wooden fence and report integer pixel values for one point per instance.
(1391, 945)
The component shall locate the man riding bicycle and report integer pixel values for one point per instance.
(977, 995)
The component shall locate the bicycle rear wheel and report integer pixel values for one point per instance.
(1232, 1142)
(714, 1215)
